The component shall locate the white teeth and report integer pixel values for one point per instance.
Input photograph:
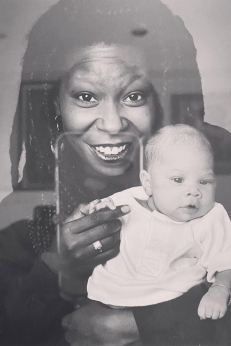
(107, 151)
(115, 151)
(111, 150)
(112, 153)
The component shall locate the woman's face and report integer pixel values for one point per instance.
(106, 98)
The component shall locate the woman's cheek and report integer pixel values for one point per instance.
(144, 120)
(75, 119)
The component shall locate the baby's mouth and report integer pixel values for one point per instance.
(192, 208)
(112, 152)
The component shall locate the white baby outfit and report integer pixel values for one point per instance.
(160, 258)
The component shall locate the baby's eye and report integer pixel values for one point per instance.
(178, 180)
(86, 97)
(205, 182)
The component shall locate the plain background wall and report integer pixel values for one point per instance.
(207, 20)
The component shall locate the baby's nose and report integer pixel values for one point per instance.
(193, 191)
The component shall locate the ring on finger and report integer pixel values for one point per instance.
(98, 246)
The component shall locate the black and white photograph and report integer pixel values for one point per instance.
(115, 179)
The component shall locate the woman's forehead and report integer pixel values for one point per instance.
(83, 59)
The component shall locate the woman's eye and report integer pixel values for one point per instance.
(86, 98)
(178, 180)
(134, 98)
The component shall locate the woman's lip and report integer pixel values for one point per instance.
(112, 152)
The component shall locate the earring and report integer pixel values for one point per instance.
(53, 147)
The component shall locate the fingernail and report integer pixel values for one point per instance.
(125, 209)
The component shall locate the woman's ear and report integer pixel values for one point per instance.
(146, 182)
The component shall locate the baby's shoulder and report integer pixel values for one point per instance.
(128, 196)
(217, 211)
(216, 215)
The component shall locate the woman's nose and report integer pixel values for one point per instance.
(111, 120)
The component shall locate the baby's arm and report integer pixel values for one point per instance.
(214, 303)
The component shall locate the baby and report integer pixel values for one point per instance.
(175, 232)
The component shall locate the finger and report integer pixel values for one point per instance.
(90, 252)
(215, 314)
(103, 205)
(82, 210)
(110, 203)
(97, 219)
(222, 313)
(201, 313)
(80, 240)
(208, 312)
(91, 263)
(94, 205)
(104, 256)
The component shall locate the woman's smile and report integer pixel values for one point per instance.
(112, 153)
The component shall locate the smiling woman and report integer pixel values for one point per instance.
(116, 66)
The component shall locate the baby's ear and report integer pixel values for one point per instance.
(145, 179)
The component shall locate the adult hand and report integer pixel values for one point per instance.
(96, 324)
(78, 255)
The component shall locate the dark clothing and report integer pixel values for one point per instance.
(176, 323)
(31, 308)
(220, 140)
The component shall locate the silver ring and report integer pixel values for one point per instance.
(98, 246)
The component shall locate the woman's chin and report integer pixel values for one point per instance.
(109, 168)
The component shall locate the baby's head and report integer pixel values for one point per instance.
(179, 179)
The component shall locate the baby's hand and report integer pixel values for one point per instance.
(98, 205)
(214, 303)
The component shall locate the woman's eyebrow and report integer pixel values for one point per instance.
(92, 77)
